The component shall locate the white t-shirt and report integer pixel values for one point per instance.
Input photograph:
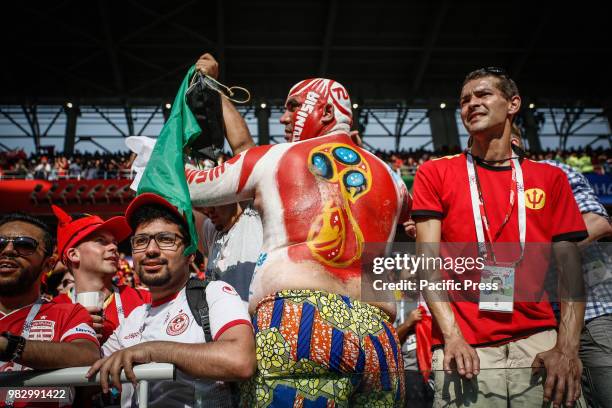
(171, 319)
(232, 255)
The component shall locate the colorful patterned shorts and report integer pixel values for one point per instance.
(318, 349)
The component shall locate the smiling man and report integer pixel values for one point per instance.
(35, 334)
(166, 331)
(88, 248)
(506, 199)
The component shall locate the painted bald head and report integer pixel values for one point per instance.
(315, 107)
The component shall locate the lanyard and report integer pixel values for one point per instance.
(27, 325)
(118, 304)
(479, 211)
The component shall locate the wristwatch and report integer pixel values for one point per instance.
(14, 348)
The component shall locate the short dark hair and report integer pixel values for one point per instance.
(48, 239)
(504, 83)
(151, 212)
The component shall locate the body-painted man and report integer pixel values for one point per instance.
(321, 199)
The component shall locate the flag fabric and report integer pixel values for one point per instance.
(165, 171)
(423, 333)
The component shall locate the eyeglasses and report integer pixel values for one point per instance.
(495, 71)
(164, 240)
(23, 245)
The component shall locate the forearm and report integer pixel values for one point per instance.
(228, 183)
(598, 227)
(445, 319)
(237, 131)
(428, 244)
(221, 360)
(404, 329)
(571, 295)
(44, 355)
(570, 326)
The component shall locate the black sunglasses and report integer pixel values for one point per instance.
(24, 246)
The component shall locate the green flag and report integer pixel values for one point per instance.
(165, 171)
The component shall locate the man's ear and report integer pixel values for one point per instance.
(328, 113)
(514, 105)
(49, 263)
(73, 255)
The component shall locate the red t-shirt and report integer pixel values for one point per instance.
(56, 322)
(441, 190)
(130, 299)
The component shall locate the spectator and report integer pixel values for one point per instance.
(596, 338)
(308, 260)
(232, 239)
(36, 334)
(166, 331)
(476, 185)
(43, 169)
(88, 247)
(74, 169)
(66, 285)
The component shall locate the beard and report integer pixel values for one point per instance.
(157, 279)
(18, 285)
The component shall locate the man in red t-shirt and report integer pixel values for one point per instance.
(489, 195)
(88, 247)
(35, 334)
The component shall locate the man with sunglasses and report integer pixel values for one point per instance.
(35, 334)
(166, 331)
(527, 206)
(87, 246)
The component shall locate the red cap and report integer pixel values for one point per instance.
(71, 232)
(150, 198)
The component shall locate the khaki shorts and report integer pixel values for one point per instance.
(505, 377)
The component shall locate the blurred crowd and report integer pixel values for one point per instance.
(88, 166)
(584, 160)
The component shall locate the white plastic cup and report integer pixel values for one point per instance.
(91, 299)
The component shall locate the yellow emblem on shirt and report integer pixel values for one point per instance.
(535, 198)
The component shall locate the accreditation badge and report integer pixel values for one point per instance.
(497, 289)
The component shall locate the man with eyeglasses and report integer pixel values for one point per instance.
(514, 207)
(87, 246)
(35, 334)
(166, 331)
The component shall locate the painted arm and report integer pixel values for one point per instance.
(233, 181)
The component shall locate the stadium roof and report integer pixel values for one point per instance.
(385, 51)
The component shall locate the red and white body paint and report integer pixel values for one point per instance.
(314, 94)
(320, 201)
